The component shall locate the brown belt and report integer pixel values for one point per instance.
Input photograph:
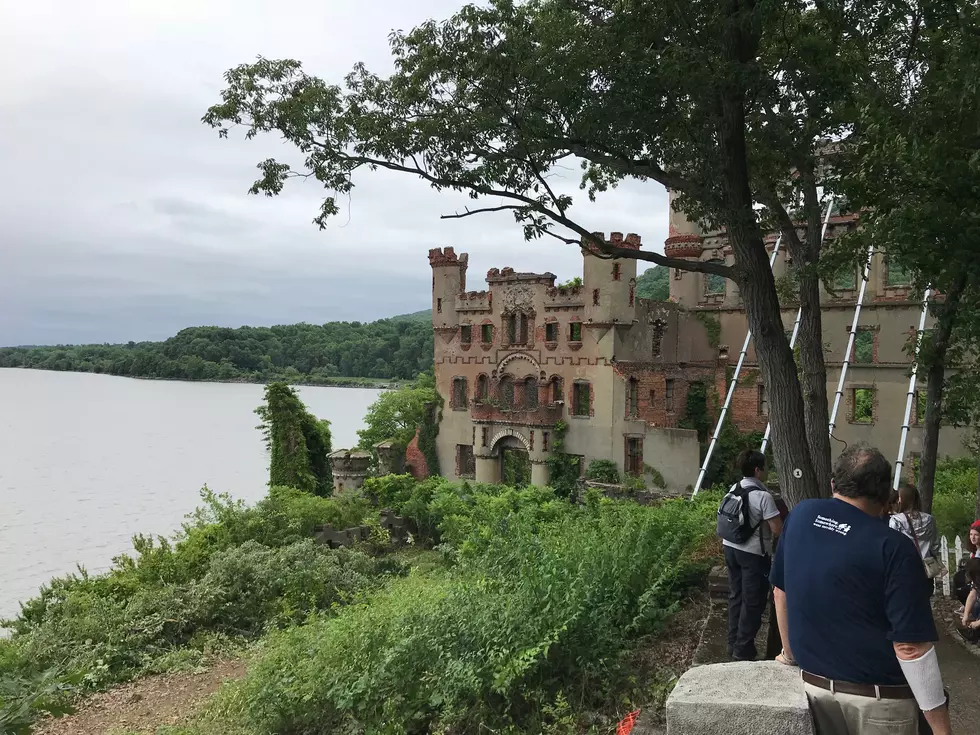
(884, 691)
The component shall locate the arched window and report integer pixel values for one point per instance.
(482, 388)
(531, 393)
(505, 392)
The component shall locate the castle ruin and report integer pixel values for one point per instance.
(514, 360)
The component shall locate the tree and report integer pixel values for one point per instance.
(298, 442)
(654, 284)
(730, 104)
(915, 165)
(397, 414)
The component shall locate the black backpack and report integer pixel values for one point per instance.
(734, 521)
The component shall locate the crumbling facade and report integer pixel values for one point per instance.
(613, 373)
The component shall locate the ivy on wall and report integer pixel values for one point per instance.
(712, 326)
(428, 431)
(563, 469)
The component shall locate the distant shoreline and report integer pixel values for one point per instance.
(372, 383)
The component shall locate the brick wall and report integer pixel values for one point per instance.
(415, 463)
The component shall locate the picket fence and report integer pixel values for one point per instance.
(950, 557)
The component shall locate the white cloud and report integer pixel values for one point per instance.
(126, 218)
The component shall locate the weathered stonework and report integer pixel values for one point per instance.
(639, 358)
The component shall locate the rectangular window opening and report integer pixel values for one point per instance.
(864, 342)
(466, 334)
(487, 333)
(438, 306)
(581, 399)
(575, 332)
(634, 457)
(863, 405)
(551, 332)
(669, 396)
(465, 461)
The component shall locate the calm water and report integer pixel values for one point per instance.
(86, 461)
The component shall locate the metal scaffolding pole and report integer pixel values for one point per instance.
(731, 390)
(799, 316)
(850, 340)
(910, 398)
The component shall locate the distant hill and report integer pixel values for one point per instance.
(416, 316)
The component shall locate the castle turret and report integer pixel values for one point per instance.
(610, 283)
(684, 240)
(448, 281)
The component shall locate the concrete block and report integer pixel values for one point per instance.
(757, 697)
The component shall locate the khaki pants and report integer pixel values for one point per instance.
(849, 714)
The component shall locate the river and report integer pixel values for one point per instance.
(86, 461)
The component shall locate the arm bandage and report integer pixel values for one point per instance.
(925, 680)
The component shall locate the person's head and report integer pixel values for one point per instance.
(973, 571)
(752, 463)
(975, 535)
(862, 474)
(908, 499)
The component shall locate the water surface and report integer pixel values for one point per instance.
(86, 461)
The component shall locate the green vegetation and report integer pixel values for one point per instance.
(230, 574)
(955, 502)
(654, 284)
(508, 635)
(298, 442)
(335, 353)
(603, 470)
(564, 469)
(712, 325)
(396, 414)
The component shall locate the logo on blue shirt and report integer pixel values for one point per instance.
(829, 524)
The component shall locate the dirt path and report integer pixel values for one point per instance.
(144, 705)
(961, 670)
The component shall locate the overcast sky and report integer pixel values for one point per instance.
(123, 217)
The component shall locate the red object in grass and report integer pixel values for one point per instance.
(626, 726)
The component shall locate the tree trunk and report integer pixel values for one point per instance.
(816, 414)
(935, 363)
(755, 280)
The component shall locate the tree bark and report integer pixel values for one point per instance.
(938, 348)
(754, 276)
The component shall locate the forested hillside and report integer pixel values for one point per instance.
(653, 284)
(334, 352)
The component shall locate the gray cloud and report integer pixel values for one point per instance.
(125, 218)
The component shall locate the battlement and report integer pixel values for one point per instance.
(474, 300)
(631, 241)
(570, 296)
(439, 257)
(509, 275)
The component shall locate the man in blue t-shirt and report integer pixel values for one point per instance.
(853, 608)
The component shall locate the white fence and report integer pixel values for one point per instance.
(950, 557)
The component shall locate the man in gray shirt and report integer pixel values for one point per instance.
(748, 563)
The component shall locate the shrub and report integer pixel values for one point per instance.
(545, 598)
(603, 470)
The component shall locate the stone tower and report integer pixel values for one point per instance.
(684, 240)
(448, 281)
(610, 283)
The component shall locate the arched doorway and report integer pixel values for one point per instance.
(515, 463)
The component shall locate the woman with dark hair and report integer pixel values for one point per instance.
(961, 583)
(971, 611)
(919, 527)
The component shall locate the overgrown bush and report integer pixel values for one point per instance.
(955, 497)
(542, 602)
(233, 572)
(603, 470)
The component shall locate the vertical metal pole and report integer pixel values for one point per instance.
(731, 390)
(899, 463)
(799, 316)
(850, 339)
